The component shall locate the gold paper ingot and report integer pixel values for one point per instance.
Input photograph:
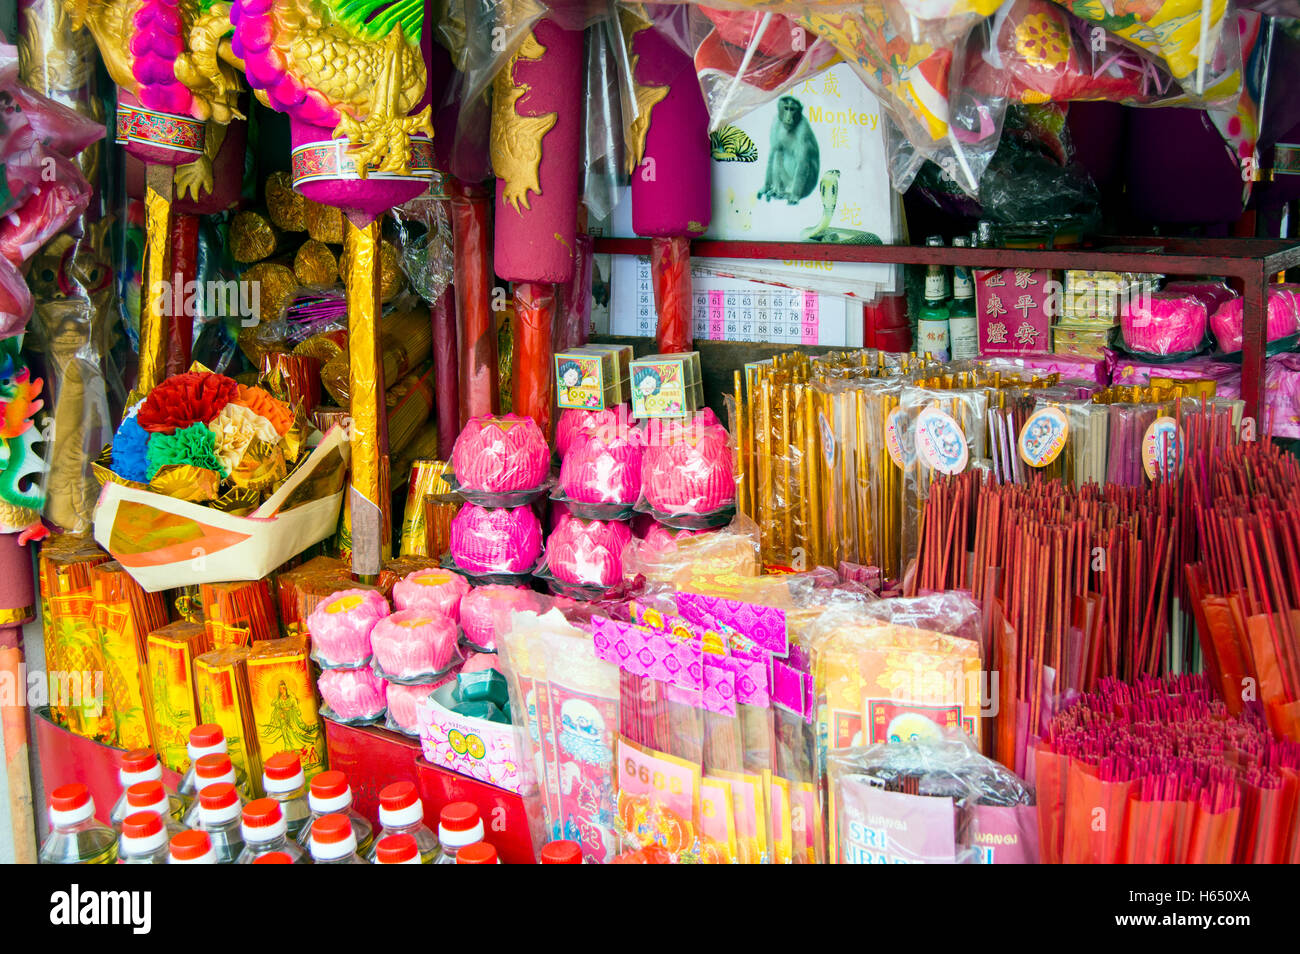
(187, 482)
(157, 273)
(325, 346)
(315, 264)
(221, 679)
(237, 501)
(261, 468)
(252, 237)
(324, 222)
(277, 287)
(283, 701)
(285, 206)
(294, 441)
(171, 653)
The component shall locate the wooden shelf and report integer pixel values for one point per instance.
(1253, 262)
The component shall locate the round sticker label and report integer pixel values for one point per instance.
(1043, 437)
(898, 438)
(940, 442)
(1162, 449)
(828, 440)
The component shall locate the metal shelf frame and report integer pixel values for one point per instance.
(1252, 262)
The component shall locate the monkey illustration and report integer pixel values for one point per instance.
(794, 160)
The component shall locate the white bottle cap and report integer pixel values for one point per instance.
(70, 804)
(332, 838)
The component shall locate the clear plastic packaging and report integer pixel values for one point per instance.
(414, 647)
(600, 472)
(675, 558)
(356, 696)
(486, 611)
(1226, 321)
(688, 474)
(498, 456)
(490, 543)
(1164, 324)
(587, 553)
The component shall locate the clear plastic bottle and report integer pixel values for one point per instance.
(397, 850)
(282, 780)
(402, 812)
(330, 794)
(76, 838)
(143, 840)
(479, 853)
(333, 842)
(265, 831)
(152, 797)
(192, 848)
(220, 808)
(206, 739)
(458, 826)
(136, 766)
(211, 770)
(561, 853)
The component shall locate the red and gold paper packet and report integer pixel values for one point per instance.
(172, 650)
(124, 615)
(72, 653)
(236, 614)
(221, 678)
(283, 697)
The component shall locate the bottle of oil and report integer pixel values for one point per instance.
(143, 841)
(561, 853)
(329, 794)
(402, 813)
(136, 766)
(397, 850)
(152, 797)
(265, 831)
(283, 780)
(220, 808)
(458, 827)
(206, 739)
(963, 326)
(932, 335)
(479, 853)
(333, 841)
(215, 769)
(192, 848)
(76, 838)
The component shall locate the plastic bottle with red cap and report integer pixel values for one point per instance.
(206, 739)
(397, 850)
(152, 797)
(143, 840)
(459, 826)
(402, 813)
(333, 841)
(283, 780)
(192, 848)
(76, 838)
(264, 830)
(561, 853)
(136, 766)
(214, 769)
(273, 858)
(220, 817)
(479, 853)
(330, 794)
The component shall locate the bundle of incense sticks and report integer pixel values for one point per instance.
(1245, 588)
(1178, 777)
(72, 646)
(124, 614)
(237, 614)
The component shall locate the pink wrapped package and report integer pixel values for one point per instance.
(690, 471)
(1282, 395)
(431, 591)
(353, 695)
(588, 553)
(485, 610)
(1227, 321)
(341, 624)
(596, 470)
(1070, 367)
(1161, 323)
(495, 541)
(1227, 377)
(1212, 293)
(501, 454)
(413, 645)
(477, 662)
(609, 424)
(402, 701)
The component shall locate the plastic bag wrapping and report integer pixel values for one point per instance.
(688, 469)
(598, 471)
(501, 454)
(587, 553)
(533, 370)
(572, 324)
(1164, 324)
(48, 210)
(485, 542)
(670, 265)
(425, 237)
(934, 801)
(603, 145)
(476, 324)
(676, 558)
(1282, 390)
(1227, 320)
(564, 705)
(405, 342)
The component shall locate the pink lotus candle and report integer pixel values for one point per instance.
(411, 643)
(431, 591)
(501, 454)
(340, 625)
(610, 424)
(495, 541)
(664, 539)
(1226, 322)
(691, 475)
(1164, 324)
(485, 611)
(588, 553)
(599, 471)
(402, 701)
(477, 662)
(353, 693)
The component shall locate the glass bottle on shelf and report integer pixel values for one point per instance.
(932, 324)
(963, 328)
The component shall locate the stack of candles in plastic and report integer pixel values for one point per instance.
(340, 629)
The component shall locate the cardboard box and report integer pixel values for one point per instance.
(479, 748)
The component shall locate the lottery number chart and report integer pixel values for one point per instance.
(728, 309)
